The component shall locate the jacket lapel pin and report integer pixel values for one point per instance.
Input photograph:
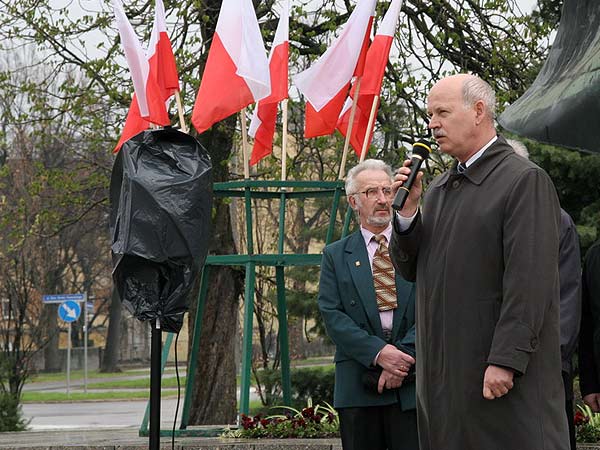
(357, 263)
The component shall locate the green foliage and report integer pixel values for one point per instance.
(11, 415)
(314, 383)
(575, 176)
(308, 384)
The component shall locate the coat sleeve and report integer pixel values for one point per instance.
(349, 338)
(589, 382)
(569, 268)
(404, 248)
(406, 343)
(530, 234)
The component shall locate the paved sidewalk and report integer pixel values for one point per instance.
(128, 439)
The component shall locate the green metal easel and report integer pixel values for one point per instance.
(249, 190)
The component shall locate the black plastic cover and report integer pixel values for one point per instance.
(562, 105)
(161, 200)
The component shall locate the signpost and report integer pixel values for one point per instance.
(89, 307)
(69, 311)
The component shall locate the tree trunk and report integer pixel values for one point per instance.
(52, 362)
(214, 392)
(296, 338)
(110, 358)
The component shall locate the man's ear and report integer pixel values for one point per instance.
(352, 202)
(479, 111)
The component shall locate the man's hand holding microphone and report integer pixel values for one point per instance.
(408, 181)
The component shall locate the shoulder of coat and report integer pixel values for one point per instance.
(343, 242)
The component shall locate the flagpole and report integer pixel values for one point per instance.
(342, 171)
(182, 124)
(370, 124)
(284, 138)
(245, 143)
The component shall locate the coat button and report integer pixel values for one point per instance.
(455, 184)
(402, 256)
(352, 303)
(534, 343)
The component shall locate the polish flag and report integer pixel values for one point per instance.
(162, 68)
(147, 92)
(377, 58)
(134, 124)
(237, 69)
(160, 55)
(325, 84)
(262, 126)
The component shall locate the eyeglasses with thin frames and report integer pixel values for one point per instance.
(373, 193)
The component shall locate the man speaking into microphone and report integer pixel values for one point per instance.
(483, 250)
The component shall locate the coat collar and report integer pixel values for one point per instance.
(480, 169)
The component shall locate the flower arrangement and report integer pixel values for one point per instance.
(587, 424)
(320, 421)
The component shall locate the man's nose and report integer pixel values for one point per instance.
(381, 197)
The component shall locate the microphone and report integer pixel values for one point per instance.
(420, 152)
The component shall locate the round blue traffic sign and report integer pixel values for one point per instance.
(69, 311)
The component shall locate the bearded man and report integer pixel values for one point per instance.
(368, 312)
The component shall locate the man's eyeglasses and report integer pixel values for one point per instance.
(373, 193)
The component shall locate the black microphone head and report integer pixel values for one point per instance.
(422, 148)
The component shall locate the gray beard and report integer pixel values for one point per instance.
(379, 221)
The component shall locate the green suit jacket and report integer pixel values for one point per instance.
(349, 309)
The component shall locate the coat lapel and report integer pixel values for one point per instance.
(357, 260)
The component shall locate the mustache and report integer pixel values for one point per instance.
(437, 133)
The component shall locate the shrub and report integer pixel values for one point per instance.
(313, 384)
(11, 415)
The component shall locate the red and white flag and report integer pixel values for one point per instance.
(325, 84)
(237, 70)
(162, 68)
(150, 101)
(262, 126)
(377, 58)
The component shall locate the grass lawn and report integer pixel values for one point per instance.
(170, 382)
(131, 389)
(78, 374)
(59, 397)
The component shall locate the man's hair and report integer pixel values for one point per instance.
(518, 147)
(475, 89)
(367, 164)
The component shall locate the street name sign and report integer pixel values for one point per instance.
(60, 298)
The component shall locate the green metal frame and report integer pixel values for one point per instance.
(250, 189)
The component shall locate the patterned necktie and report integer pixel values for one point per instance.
(461, 167)
(383, 276)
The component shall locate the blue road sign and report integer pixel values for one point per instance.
(69, 311)
(59, 298)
